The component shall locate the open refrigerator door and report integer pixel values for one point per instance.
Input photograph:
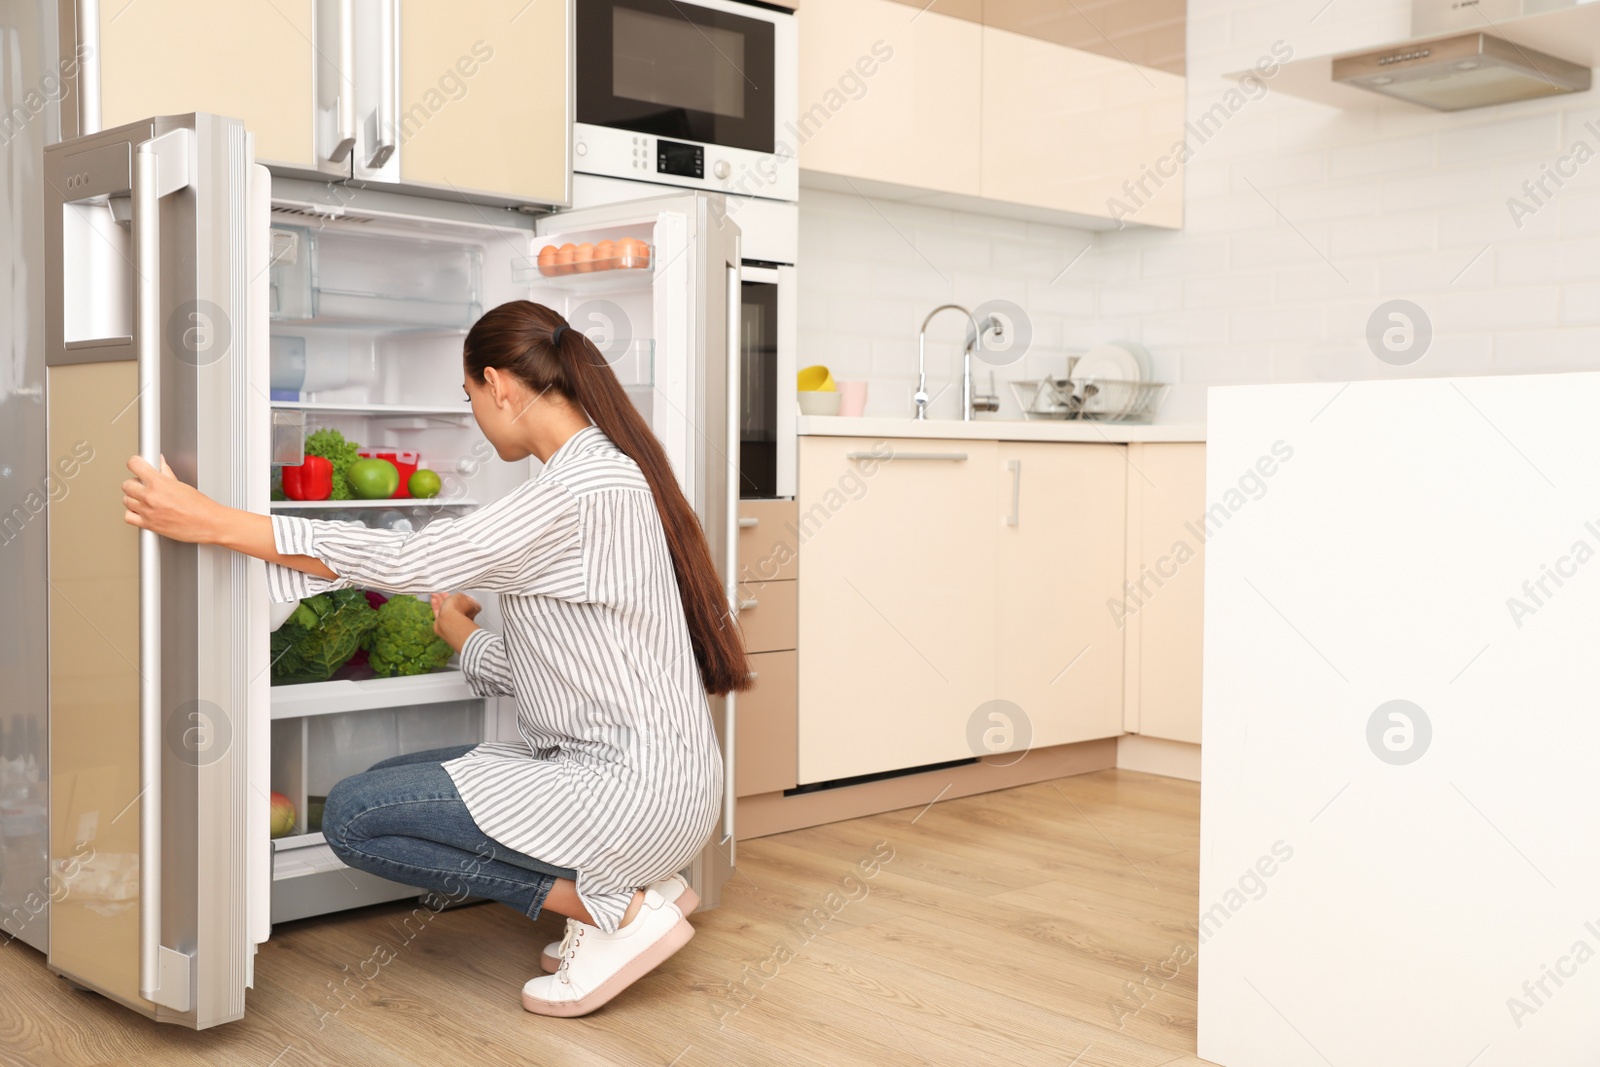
(668, 265)
(150, 307)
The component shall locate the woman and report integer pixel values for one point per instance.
(616, 628)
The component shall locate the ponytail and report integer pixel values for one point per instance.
(534, 343)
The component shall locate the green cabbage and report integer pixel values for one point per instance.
(321, 636)
(403, 641)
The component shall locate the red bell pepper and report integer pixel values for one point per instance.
(312, 480)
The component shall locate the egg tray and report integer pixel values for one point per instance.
(613, 271)
(638, 257)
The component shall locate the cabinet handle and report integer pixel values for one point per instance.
(753, 675)
(383, 134)
(346, 132)
(1015, 465)
(747, 521)
(746, 605)
(956, 457)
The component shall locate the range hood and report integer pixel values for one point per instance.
(1469, 69)
(1464, 71)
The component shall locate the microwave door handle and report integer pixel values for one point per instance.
(346, 133)
(161, 166)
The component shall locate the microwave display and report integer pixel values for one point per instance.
(676, 69)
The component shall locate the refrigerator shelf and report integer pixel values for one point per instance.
(337, 275)
(341, 695)
(386, 502)
(375, 411)
(294, 841)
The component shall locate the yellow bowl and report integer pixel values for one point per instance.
(816, 379)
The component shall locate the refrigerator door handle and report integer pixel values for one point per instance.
(346, 132)
(161, 165)
(731, 551)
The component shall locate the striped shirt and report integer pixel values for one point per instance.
(617, 772)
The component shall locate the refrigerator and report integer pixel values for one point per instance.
(199, 307)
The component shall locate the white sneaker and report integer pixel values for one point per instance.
(674, 889)
(596, 966)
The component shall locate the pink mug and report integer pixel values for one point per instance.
(852, 399)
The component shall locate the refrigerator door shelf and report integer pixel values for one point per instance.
(615, 275)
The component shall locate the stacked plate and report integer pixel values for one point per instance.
(1109, 382)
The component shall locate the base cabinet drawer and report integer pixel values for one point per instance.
(767, 615)
(769, 542)
(766, 731)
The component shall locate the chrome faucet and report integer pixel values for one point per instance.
(969, 403)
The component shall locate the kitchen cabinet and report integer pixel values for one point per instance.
(988, 111)
(1081, 133)
(485, 98)
(1059, 562)
(765, 733)
(471, 101)
(897, 601)
(1161, 609)
(889, 93)
(252, 62)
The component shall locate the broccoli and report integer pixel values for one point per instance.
(321, 636)
(404, 641)
(332, 446)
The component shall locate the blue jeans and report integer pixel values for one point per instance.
(402, 819)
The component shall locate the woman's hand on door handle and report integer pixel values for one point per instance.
(156, 500)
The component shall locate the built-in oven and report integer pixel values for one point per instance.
(767, 338)
(699, 94)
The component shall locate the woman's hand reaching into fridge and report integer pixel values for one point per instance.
(452, 617)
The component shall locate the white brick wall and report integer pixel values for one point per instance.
(1300, 219)
(871, 271)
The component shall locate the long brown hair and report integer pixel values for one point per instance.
(516, 338)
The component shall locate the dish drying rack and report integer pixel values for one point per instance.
(1099, 399)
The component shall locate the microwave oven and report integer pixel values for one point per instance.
(700, 95)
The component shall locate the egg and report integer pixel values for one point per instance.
(583, 258)
(634, 252)
(564, 257)
(605, 256)
(547, 261)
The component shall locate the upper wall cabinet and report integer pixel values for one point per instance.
(468, 100)
(1080, 132)
(1020, 108)
(485, 98)
(253, 62)
(889, 93)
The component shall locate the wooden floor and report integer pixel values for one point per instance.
(1052, 923)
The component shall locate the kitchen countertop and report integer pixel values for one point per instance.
(999, 429)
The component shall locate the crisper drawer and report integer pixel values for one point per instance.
(767, 614)
(769, 547)
(766, 733)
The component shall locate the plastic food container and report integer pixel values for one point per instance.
(404, 462)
